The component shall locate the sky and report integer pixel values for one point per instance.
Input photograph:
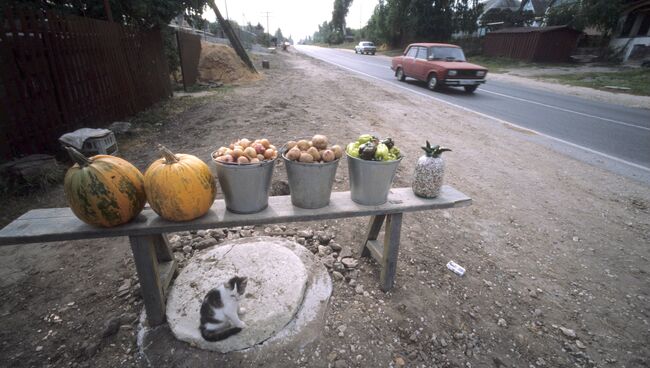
(296, 18)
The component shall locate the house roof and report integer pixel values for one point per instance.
(501, 4)
(539, 6)
(534, 29)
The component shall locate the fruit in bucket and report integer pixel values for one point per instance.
(368, 147)
(245, 152)
(317, 149)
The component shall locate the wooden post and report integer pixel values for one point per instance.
(232, 36)
(107, 9)
(163, 252)
(146, 263)
(391, 249)
(373, 231)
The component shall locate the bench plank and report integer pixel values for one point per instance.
(57, 224)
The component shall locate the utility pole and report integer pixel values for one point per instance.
(232, 36)
(267, 26)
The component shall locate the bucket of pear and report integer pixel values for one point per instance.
(311, 168)
(372, 163)
(244, 171)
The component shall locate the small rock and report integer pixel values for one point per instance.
(502, 323)
(459, 336)
(352, 274)
(323, 250)
(580, 345)
(340, 364)
(91, 349)
(111, 327)
(39, 348)
(338, 276)
(342, 328)
(568, 332)
(345, 252)
(300, 241)
(335, 247)
(350, 262)
(187, 249)
(532, 294)
(128, 318)
(279, 188)
(246, 233)
(359, 289)
(332, 356)
(328, 261)
(413, 337)
(443, 342)
(323, 237)
(400, 361)
(338, 266)
(202, 233)
(307, 234)
(575, 239)
(206, 243)
(537, 312)
(124, 288)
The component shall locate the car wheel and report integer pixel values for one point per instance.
(432, 83)
(372, 53)
(470, 89)
(400, 75)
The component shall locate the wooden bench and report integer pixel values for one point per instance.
(154, 260)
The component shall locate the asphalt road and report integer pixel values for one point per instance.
(613, 133)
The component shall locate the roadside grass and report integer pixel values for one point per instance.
(503, 65)
(638, 80)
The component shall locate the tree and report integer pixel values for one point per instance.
(600, 14)
(466, 13)
(138, 13)
(337, 25)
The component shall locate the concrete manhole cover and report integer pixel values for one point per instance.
(277, 279)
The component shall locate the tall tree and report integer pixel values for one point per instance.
(139, 13)
(341, 8)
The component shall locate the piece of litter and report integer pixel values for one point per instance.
(456, 268)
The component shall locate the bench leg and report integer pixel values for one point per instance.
(385, 254)
(154, 275)
(163, 251)
(391, 250)
(373, 231)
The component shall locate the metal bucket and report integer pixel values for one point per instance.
(310, 183)
(245, 187)
(370, 181)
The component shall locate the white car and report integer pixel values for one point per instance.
(365, 47)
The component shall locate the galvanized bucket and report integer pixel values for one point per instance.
(310, 183)
(370, 181)
(245, 187)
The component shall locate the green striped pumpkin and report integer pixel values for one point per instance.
(104, 190)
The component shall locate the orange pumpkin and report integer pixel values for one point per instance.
(103, 190)
(179, 187)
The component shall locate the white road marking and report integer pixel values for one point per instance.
(395, 84)
(566, 110)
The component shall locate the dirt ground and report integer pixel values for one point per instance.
(556, 251)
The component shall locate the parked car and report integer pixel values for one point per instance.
(365, 47)
(438, 64)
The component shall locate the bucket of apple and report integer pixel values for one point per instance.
(244, 171)
(372, 164)
(311, 168)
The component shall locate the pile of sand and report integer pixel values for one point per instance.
(220, 63)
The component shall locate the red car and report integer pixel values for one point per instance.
(438, 64)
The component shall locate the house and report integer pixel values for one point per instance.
(538, 7)
(494, 9)
(632, 38)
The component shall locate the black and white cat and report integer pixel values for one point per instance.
(219, 318)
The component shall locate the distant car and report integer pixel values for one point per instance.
(438, 64)
(365, 47)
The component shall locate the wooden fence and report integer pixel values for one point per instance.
(59, 73)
